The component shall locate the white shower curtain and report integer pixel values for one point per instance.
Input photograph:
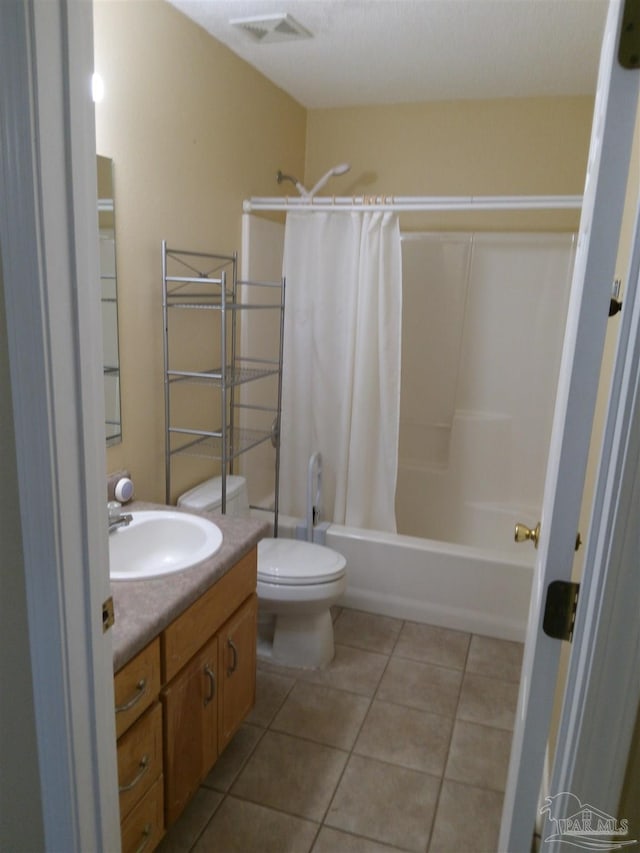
(341, 382)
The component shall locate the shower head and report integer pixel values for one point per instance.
(341, 169)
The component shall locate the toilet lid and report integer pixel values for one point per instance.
(293, 562)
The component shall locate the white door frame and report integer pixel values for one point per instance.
(603, 680)
(49, 248)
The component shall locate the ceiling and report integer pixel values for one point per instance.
(400, 51)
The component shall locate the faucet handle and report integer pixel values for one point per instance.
(113, 509)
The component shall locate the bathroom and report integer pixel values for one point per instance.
(511, 146)
(194, 150)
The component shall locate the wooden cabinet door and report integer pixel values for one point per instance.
(191, 720)
(237, 668)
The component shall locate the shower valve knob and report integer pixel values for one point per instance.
(524, 533)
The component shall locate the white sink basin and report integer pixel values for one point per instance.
(159, 542)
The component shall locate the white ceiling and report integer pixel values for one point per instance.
(393, 51)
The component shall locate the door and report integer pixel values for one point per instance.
(190, 704)
(612, 132)
(237, 667)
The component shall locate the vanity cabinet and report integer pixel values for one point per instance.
(181, 700)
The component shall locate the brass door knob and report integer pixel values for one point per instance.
(524, 533)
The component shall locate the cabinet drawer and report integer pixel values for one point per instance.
(137, 686)
(144, 827)
(183, 638)
(139, 758)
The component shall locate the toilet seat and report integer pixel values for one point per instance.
(291, 562)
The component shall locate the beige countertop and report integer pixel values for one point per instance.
(144, 608)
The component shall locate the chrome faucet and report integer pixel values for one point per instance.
(116, 518)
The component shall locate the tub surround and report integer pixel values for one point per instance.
(144, 608)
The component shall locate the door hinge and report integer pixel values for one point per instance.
(560, 609)
(629, 47)
(615, 303)
(108, 614)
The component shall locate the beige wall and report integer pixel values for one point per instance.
(192, 131)
(529, 146)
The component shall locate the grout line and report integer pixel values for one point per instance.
(446, 761)
(371, 699)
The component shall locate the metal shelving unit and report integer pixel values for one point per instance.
(198, 281)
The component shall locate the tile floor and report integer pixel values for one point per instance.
(402, 743)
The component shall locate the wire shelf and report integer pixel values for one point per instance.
(191, 443)
(233, 375)
(194, 281)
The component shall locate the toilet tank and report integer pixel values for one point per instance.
(207, 497)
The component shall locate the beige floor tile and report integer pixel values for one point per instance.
(240, 827)
(405, 736)
(323, 714)
(183, 834)
(351, 669)
(479, 755)
(488, 701)
(233, 758)
(467, 819)
(367, 631)
(272, 689)
(430, 644)
(332, 841)
(393, 805)
(291, 774)
(495, 658)
(421, 685)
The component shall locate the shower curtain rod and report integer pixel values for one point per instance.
(416, 204)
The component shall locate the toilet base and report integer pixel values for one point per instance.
(300, 641)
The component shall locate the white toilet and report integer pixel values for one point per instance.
(298, 582)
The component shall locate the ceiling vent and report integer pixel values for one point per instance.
(271, 28)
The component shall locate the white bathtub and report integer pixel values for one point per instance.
(454, 586)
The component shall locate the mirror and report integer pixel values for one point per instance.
(109, 296)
